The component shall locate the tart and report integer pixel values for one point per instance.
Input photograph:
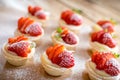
(18, 50)
(30, 29)
(38, 13)
(103, 66)
(103, 41)
(56, 60)
(71, 20)
(65, 37)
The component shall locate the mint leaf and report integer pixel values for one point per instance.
(116, 55)
(59, 30)
(77, 10)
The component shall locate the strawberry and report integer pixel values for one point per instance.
(20, 48)
(33, 10)
(69, 38)
(41, 15)
(34, 30)
(59, 56)
(100, 59)
(106, 25)
(104, 38)
(17, 39)
(65, 59)
(112, 67)
(71, 18)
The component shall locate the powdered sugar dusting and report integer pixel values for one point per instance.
(66, 59)
(76, 17)
(114, 63)
(32, 25)
(106, 25)
(106, 37)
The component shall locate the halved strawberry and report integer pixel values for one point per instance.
(17, 39)
(69, 38)
(60, 57)
(41, 15)
(71, 18)
(106, 25)
(112, 67)
(65, 59)
(34, 9)
(34, 29)
(20, 48)
(104, 38)
(100, 58)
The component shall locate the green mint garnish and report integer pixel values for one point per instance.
(116, 55)
(77, 10)
(59, 30)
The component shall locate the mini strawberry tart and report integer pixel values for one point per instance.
(38, 14)
(18, 50)
(106, 25)
(103, 41)
(30, 29)
(65, 37)
(57, 60)
(103, 66)
(71, 20)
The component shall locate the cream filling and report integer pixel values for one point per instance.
(32, 38)
(14, 56)
(60, 41)
(96, 46)
(99, 74)
(51, 68)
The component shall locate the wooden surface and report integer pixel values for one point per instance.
(92, 11)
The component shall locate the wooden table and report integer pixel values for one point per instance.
(92, 11)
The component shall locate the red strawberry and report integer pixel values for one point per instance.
(60, 57)
(34, 30)
(71, 18)
(20, 48)
(17, 39)
(112, 67)
(106, 25)
(41, 15)
(69, 38)
(32, 10)
(104, 38)
(65, 59)
(100, 59)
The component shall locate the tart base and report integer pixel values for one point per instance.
(50, 68)
(69, 47)
(15, 60)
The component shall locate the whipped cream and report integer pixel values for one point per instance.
(13, 58)
(60, 41)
